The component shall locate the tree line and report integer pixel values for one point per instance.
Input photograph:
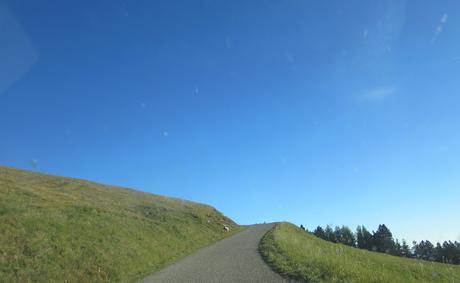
(382, 241)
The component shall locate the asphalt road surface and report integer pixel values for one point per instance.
(233, 259)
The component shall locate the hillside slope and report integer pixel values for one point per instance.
(299, 255)
(64, 229)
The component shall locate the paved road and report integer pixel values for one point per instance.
(234, 259)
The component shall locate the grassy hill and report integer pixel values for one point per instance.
(299, 255)
(69, 230)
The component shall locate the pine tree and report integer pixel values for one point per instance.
(451, 252)
(364, 238)
(456, 259)
(397, 250)
(425, 250)
(440, 257)
(383, 240)
(319, 232)
(329, 233)
(405, 250)
(338, 234)
(345, 236)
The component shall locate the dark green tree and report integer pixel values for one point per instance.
(451, 251)
(363, 238)
(397, 250)
(330, 235)
(456, 259)
(425, 250)
(319, 232)
(439, 253)
(383, 240)
(345, 236)
(337, 234)
(405, 250)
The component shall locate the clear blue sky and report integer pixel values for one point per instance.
(345, 112)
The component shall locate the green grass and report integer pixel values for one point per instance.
(299, 255)
(69, 230)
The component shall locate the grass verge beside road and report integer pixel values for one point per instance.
(299, 255)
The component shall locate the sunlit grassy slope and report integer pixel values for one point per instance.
(299, 255)
(63, 229)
